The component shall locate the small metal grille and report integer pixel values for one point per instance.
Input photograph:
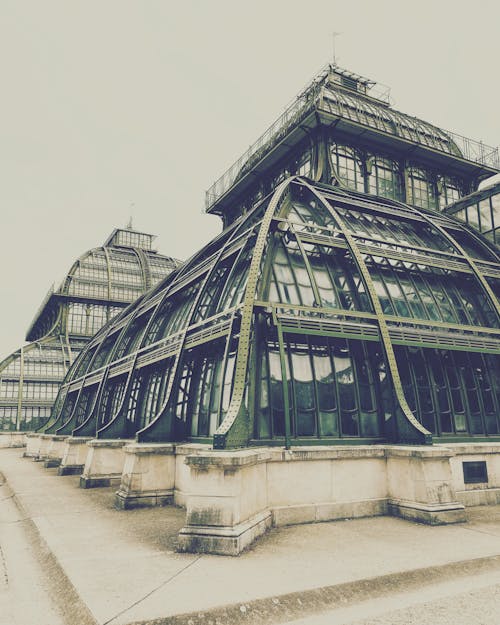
(475, 472)
(350, 83)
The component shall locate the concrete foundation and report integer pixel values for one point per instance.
(74, 455)
(420, 485)
(33, 442)
(38, 447)
(233, 496)
(227, 502)
(148, 476)
(104, 463)
(12, 439)
(55, 451)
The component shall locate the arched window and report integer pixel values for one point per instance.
(422, 190)
(384, 178)
(347, 167)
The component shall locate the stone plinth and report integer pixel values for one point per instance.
(54, 451)
(148, 476)
(44, 442)
(226, 506)
(13, 439)
(74, 455)
(104, 463)
(420, 485)
(232, 497)
(33, 443)
(482, 492)
(183, 471)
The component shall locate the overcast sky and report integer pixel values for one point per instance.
(119, 108)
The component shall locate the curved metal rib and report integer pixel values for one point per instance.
(223, 435)
(421, 432)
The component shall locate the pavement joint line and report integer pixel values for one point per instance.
(162, 585)
(65, 596)
(472, 529)
(300, 604)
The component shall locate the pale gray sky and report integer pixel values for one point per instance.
(106, 103)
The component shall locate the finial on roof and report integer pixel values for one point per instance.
(129, 226)
(334, 34)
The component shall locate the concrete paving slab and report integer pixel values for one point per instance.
(124, 566)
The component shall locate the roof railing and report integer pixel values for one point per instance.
(474, 151)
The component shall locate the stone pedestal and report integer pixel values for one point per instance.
(44, 442)
(148, 476)
(74, 455)
(183, 471)
(13, 439)
(54, 451)
(420, 485)
(226, 506)
(104, 463)
(33, 442)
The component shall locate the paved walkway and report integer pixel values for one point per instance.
(112, 566)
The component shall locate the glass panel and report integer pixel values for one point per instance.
(384, 178)
(325, 388)
(276, 386)
(303, 385)
(344, 375)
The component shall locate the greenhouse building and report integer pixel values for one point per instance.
(99, 285)
(334, 352)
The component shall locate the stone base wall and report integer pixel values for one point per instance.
(233, 496)
(13, 439)
(477, 493)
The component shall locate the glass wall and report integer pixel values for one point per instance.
(331, 384)
(452, 392)
(482, 212)
(294, 324)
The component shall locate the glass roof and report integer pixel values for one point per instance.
(312, 262)
(350, 97)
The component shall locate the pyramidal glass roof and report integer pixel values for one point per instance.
(339, 94)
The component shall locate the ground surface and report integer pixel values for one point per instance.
(69, 557)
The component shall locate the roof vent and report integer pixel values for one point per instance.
(350, 83)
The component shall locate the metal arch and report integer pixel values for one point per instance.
(86, 429)
(51, 429)
(116, 420)
(240, 370)
(194, 306)
(108, 332)
(384, 331)
(108, 269)
(144, 265)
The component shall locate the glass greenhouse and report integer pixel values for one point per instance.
(320, 315)
(100, 284)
